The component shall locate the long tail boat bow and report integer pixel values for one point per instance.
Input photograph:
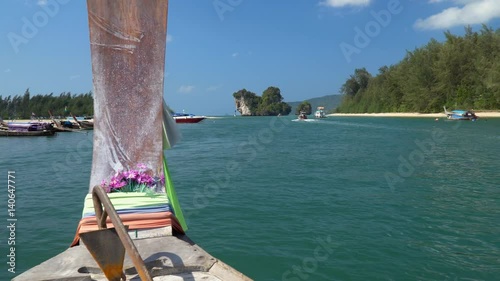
(130, 176)
(132, 124)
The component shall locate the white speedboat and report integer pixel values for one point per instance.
(320, 112)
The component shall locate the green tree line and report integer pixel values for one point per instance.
(461, 72)
(22, 106)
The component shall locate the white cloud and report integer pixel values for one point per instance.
(73, 77)
(41, 2)
(7, 70)
(185, 89)
(466, 12)
(344, 3)
(235, 55)
(169, 38)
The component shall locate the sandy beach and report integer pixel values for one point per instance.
(480, 114)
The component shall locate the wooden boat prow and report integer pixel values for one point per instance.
(164, 255)
(127, 39)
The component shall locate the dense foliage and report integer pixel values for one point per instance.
(329, 102)
(270, 104)
(22, 107)
(461, 72)
(305, 106)
(251, 99)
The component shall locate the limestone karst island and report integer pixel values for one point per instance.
(269, 104)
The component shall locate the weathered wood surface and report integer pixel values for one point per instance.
(127, 41)
(167, 258)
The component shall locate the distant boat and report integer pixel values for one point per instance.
(67, 127)
(187, 118)
(64, 125)
(460, 114)
(320, 112)
(303, 118)
(9, 133)
(33, 128)
(86, 123)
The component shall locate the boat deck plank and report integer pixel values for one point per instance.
(167, 258)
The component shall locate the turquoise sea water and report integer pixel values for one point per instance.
(345, 198)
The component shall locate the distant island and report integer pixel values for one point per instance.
(269, 104)
(461, 72)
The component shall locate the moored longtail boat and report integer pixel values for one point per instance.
(22, 129)
(83, 124)
(11, 133)
(58, 127)
(460, 115)
(129, 170)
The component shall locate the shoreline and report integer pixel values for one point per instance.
(480, 114)
(485, 114)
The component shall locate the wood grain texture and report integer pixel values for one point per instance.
(127, 41)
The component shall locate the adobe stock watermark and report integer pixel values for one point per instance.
(11, 221)
(417, 157)
(73, 157)
(248, 151)
(31, 26)
(310, 264)
(363, 37)
(223, 6)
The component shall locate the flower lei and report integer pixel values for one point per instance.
(140, 180)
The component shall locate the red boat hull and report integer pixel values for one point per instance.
(188, 119)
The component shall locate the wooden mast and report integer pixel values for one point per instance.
(127, 40)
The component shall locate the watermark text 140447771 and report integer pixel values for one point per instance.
(11, 221)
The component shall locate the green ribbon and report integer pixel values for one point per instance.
(172, 196)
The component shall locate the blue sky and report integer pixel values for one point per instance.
(307, 48)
